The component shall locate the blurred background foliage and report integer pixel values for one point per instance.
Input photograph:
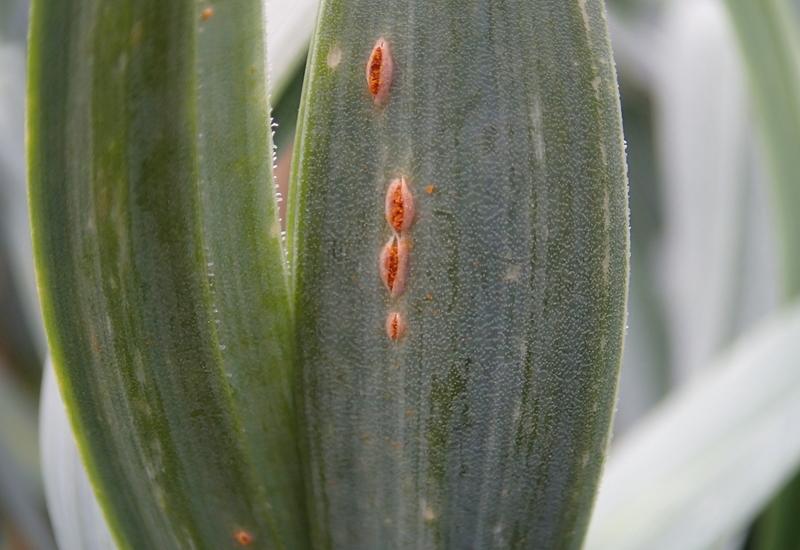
(712, 124)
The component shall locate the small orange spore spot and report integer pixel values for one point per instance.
(243, 538)
(399, 205)
(379, 71)
(207, 13)
(431, 189)
(395, 326)
(394, 264)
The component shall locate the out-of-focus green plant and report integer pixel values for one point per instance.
(769, 33)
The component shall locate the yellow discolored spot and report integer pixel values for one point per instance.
(513, 273)
(275, 229)
(427, 512)
(334, 57)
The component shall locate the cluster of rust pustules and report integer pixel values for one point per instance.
(399, 200)
(394, 256)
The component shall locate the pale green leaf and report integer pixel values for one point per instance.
(75, 513)
(705, 462)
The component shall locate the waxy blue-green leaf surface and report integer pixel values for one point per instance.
(485, 426)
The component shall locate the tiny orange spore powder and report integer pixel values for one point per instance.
(243, 538)
(399, 205)
(394, 264)
(395, 326)
(379, 71)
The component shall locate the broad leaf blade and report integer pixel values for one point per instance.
(486, 425)
(705, 462)
(705, 154)
(769, 35)
(158, 253)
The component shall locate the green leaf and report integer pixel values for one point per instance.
(486, 424)
(705, 153)
(706, 460)
(159, 262)
(769, 35)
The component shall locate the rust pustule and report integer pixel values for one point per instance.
(243, 538)
(394, 264)
(395, 326)
(399, 205)
(207, 13)
(379, 71)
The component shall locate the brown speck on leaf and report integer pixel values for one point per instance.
(394, 264)
(136, 33)
(379, 71)
(395, 326)
(207, 13)
(399, 205)
(243, 538)
(431, 189)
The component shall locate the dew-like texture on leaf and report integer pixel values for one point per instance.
(485, 426)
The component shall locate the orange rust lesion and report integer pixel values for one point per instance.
(379, 71)
(207, 13)
(374, 70)
(430, 189)
(394, 264)
(395, 326)
(243, 538)
(399, 205)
